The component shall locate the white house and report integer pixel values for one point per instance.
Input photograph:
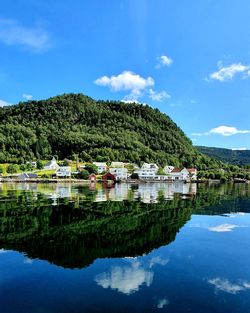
(147, 171)
(180, 174)
(52, 165)
(102, 166)
(168, 169)
(63, 171)
(120, 173)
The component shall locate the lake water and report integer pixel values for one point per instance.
(131, 248)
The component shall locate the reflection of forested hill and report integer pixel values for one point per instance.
(73, 233)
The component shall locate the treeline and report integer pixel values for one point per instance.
(237, 157)
(71, 124)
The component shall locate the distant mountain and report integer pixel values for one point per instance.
(95, 130)
(239, 157)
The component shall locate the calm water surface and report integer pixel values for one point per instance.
(131, 248)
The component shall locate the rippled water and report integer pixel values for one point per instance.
(128, 248)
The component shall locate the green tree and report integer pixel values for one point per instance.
(12, 168)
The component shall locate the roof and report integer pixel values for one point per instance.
(149, 166)
(29, 175)
(53, 161)
(192, 170)
(176, 170)
(100, 163)
(117, 164)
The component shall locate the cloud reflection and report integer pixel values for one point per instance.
(162, 303)
(226, 286)
(158, 261)
(125, 279)
(224, 228)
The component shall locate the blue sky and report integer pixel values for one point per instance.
(190, 59)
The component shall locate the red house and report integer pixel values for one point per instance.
(107, 177)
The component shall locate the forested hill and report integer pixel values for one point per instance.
(96, 130)
(238, 157)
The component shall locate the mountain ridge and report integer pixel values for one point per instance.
(237, 157)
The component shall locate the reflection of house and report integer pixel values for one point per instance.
(147, 171)
(92, 178)
(119, 193)
(27, 176)
(63, 171)
(108, 176)
(101, 196)
(120, 173)
(52, 165)
(101, 166)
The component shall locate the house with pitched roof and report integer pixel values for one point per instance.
(178, 174)
(52, 165)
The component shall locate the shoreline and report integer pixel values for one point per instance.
(83, 181)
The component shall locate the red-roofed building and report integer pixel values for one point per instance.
(192, 173)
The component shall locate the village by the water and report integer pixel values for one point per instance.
(68, 170)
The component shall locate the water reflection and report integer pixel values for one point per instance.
(71, 225)
(142, 257)
(146, 193)
(125, 279)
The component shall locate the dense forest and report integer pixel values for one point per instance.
(71, 124)
(238, 157)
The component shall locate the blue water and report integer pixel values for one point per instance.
(64, 266)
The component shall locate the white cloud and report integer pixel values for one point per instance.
(228, 72)
(158, 96)
(163, 60)
(223, 228)
(162, 303)
(158, 261)
(240, 149)
(13, 33)
(125, 279)
(4, 103)
(136, 85)
(226, 286)
(27, 96)
(224, 131)
(228, 131)
(126, 80)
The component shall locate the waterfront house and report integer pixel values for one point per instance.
(52, 165)
(63, 171)
(180, 174)
(148, 171)
(120, 173)
(27, 176)
(101, 166)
